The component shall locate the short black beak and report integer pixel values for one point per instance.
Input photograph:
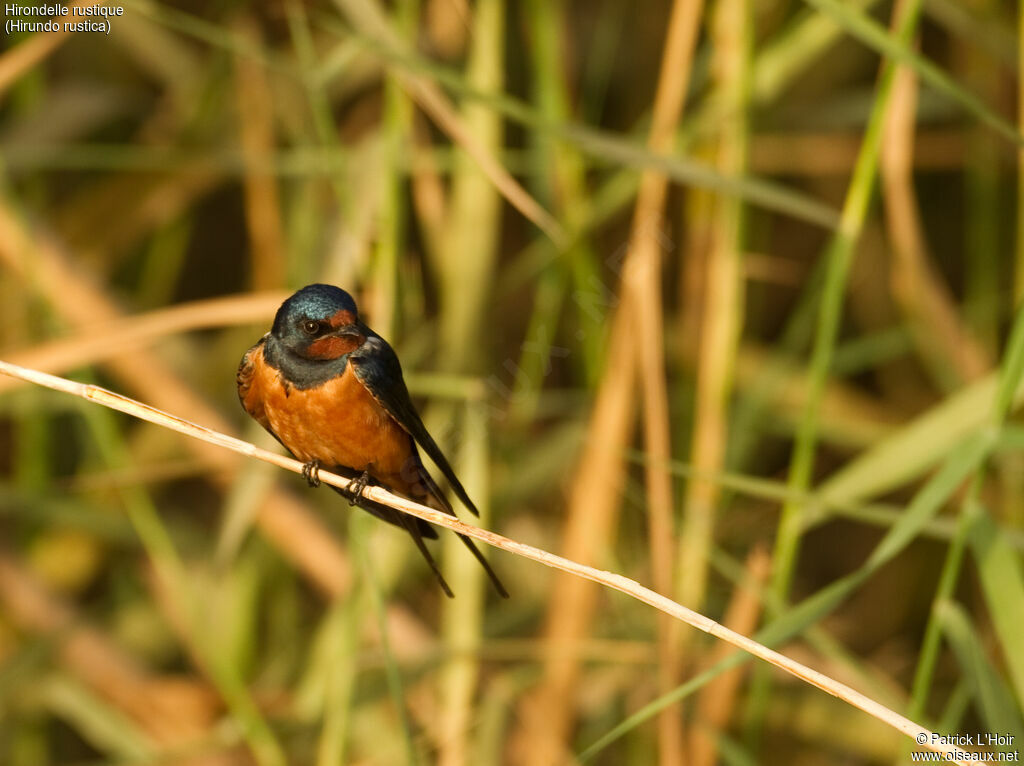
(355, 330)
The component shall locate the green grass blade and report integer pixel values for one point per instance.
(898, 48)
(1002, 583)
(992, 698)
(917, 447)
(838, 258)
(104, 726)
(961, 462)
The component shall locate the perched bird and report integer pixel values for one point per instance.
(331, 391)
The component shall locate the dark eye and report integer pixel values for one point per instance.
(311, 327)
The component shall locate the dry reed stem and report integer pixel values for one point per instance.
(256, 124)
(105, 341)
(370, 21)
(173, 714)
(642, 291)
(448, 26)
(545, 715)
(464, 268)
(916, 285)
(721, 320)
(21, 58)
(637, 337)
(717, 700)
(285, 521)
(834, 153)
(380, 495)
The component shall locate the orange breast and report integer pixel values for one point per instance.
(337, 423)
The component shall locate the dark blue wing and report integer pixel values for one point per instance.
(377, 367)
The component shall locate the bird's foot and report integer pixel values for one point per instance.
(311, 473)
(356, 487)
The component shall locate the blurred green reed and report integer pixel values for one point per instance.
(148, 616)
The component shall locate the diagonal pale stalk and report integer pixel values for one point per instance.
(171, 569)
(108, 340)
(996, 706)
(103, 726)
(884, 553)
(721, 324)
(464, 266)
(719, 698)
(962, 460)
(462, 618)
(49, 271)
(641, 281)
(590, 519)
(547, 720)
(1006, 394)
(838, 258)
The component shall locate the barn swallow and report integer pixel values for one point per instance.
(331, 391)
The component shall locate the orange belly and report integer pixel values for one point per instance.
(338, 423)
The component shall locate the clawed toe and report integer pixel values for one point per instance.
(311, 473)
(356, 487)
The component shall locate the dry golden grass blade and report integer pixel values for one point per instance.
(637, 338)
(448, 25)
(721, 323)
(370, 21)
(642, 290)
(174, 714)
(102, 342)
(48, 272)
(262, 206)
(440, 518)
(21, 58)
(545, 715)
(919, 290)
(717, 701)
(834, 153)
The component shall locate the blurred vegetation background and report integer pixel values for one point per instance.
(711, 294)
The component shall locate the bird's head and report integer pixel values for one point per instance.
(319, 322)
